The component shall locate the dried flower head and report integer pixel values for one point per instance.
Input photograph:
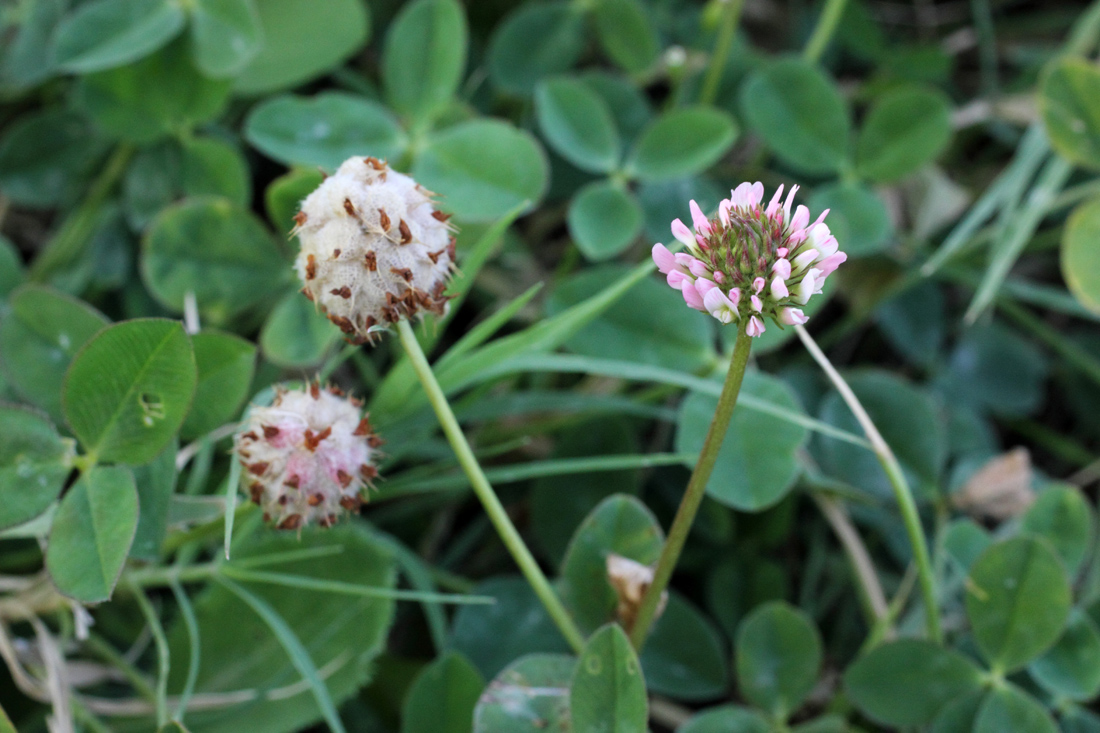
(751, 261)
(374, 248)
(631, 580)
(1000, 489)
(307, 457)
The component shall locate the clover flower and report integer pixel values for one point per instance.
(374, 249)
(751, 261)
(307, 457)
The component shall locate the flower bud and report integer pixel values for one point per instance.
(307, 457)
(374, 248)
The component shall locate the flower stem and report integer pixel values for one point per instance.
(902, 494)
(696, 488)
(497, 515)
(823, 32)
(731, 13)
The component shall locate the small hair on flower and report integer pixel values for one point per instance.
(751, 261)
(374, 249)
(307, 457)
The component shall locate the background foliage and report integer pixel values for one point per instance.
(152, 155)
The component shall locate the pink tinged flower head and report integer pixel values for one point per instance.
(792, 316)
(755, 327)
(307, 457)
(664, 259)
(774, 256)
(691, 295)
(720, 306)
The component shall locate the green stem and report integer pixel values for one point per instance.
(730, 15)
(79, 226)
(499, 517)
(696, 489)
(823, 33)
(902, 494)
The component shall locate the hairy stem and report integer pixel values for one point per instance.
(497, 515)
(696, 488)
(902, 494)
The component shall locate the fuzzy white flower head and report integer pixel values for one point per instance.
(374, 248)
(307, 457)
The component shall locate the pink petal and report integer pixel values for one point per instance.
(805, 259)
(719, 277)
(735, 295)
(682, 233)
(702, 225)
(666, 263)
(773, 206)
(704, 286)
(758, 285)
(739, 196)
(755, 327)
(782, 268)
(792, 316)
(830, 263)
(788, 202)
(676, 278)
(699, 268)
(691, 296)
(779, 288)
(801, 218)
(782, 251)
(756, 194)
(719, 306)
(756, 303)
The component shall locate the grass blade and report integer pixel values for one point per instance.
(1018, 233)
(538, 469)
(164, 663)
(349, 589)
(290, 642)
(232, 482)
(647, 373)
(195, 647)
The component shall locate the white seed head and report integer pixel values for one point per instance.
(374, 248)
(307, 457)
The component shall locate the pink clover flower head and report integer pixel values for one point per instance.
(308, 457)
(773, 253)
